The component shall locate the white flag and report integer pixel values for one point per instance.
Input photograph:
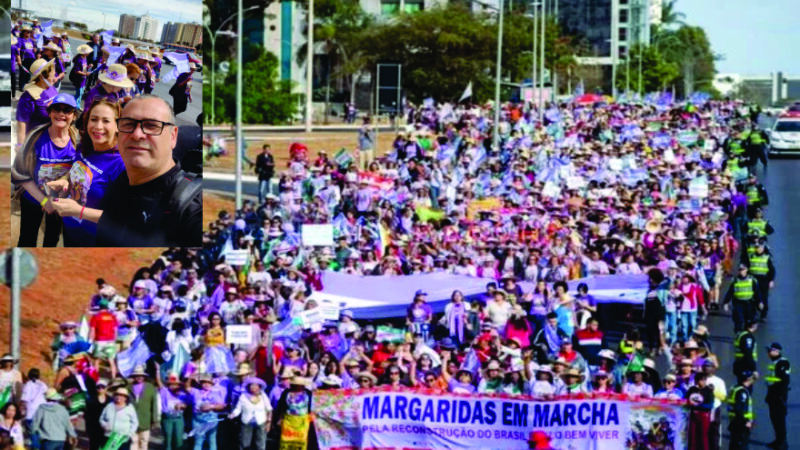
(467, 92)
(181, 61)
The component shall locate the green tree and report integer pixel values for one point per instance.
(441, 50)
(696, 60)
(657, 72)
(340, 27)
(266, 99)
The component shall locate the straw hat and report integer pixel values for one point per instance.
(39, 66)
(243, 369)
(116, 75)
(53, 395)
(300, 381)
(139, 371)
(573, 373)
(367, 375)
(53, 47)
(122, 391)
(653, 226)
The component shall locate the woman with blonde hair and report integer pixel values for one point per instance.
(98, 164)
(47, 155)
(36, 96)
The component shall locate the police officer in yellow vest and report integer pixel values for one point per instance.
(744, 345)
(762, 269)
(778, 379)
(756, 144)
(758, 225)
(740, 412)
(756, 195)
(745, 295)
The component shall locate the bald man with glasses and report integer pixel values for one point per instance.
(154, 203)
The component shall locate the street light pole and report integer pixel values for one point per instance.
(535, 50)
(309, 64)
(495, 131)
(213, 57)
(541, 62)
(239, 138)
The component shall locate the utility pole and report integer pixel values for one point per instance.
(239, 137)
(541, 62)
(496, 129)
(309, 65)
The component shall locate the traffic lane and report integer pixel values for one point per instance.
(781, 326)
(193, 109)
(249, 189)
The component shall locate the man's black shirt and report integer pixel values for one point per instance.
(140, 216)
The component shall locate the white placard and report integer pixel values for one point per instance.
(329, 310)
(576, 182)
(239, 334)
(615, 164)
(312, 319)
(698, 189)
(551, 190)
(236, 257)
(669, 155)
(318, 235)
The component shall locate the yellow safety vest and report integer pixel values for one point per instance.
(759, 264)
(737, 350)
(756, 139)
(743, 289)
(771, 378)
(751, 251)
(736, 148)
(731, 401)
(753, 195)
(758, 226)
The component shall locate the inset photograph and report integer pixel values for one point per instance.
(106, 109)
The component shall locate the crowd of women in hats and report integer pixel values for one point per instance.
(67, 156)
(546, 342)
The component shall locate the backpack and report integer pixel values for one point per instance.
(188, 185)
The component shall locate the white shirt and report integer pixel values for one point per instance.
(256, 277)
(645, 390)
(720, 391)
(253, 413)
(498, 313)
(541, 389)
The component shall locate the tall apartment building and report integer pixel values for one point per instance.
(191, 34)
(127, 25)
(146, 28)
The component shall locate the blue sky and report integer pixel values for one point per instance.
(91, 11)
(756, 37)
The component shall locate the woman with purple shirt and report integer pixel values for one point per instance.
(14, 64)
(110, 86)
(26, 47)
(52, 52)
(36, 97)
(80, 71)
(47, 155)
(97, 166)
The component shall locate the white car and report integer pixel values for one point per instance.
(785, 134)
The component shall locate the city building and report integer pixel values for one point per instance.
(776, 89)
(127, 25)
(146, 28)
(191, 34)
(169, 32)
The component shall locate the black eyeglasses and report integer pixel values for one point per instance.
(150, 127)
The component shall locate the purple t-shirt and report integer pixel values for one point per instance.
(81, 65)
(98, 92)
(169, 400)
(52, 162)
(89, 178)
(34, 112)
(215, 395)
(27, 48)
(14, 54)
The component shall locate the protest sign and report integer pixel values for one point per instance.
(687, 137)
(576, 182)
(415, 420)
(551, 189)
(384, 333)
(311, 319)
(486, 204)
(615, 164)
(329, 310)
(317, 235)
(698, 188)
(236, 257)
(239, 334)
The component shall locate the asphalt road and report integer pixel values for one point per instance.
(187, 117)
(784, 311)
